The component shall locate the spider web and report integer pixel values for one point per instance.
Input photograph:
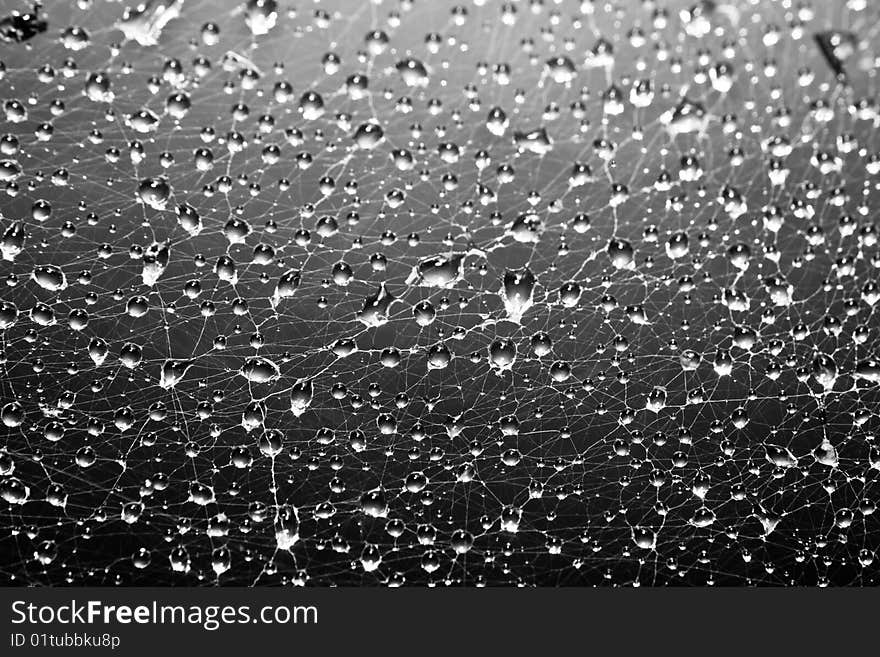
(526, 293)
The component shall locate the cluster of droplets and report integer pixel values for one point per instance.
(517, 293)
